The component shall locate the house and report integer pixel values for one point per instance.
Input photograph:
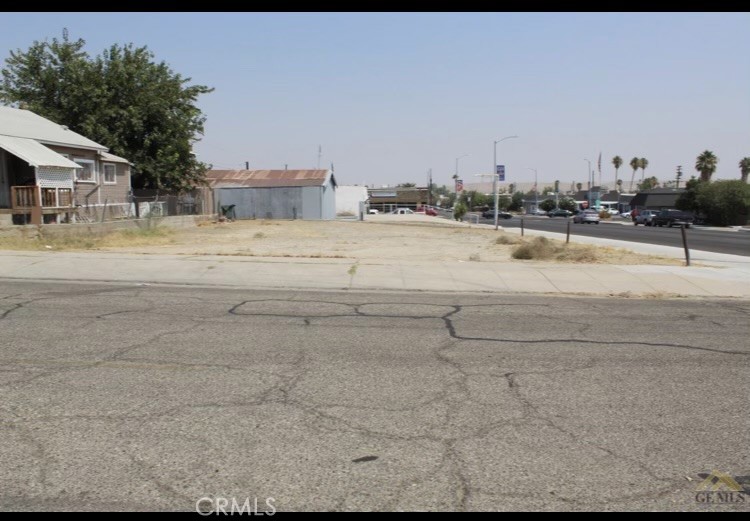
(47, 171)
(656, 198)
(274, 194)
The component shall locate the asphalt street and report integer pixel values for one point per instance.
(719, 241)
(151, 397)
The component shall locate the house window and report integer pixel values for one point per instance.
(87, 172)
(109, 173)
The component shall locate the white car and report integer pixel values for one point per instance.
(373, 211)
(402, 211)
(586, 217)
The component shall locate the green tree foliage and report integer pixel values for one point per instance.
(648, 183)
(407, 185)
(459, 211)
(122, 98)
(567, 203)
(744, 168)
(635, 164)
(724, 202)
(706, 164)
(687, 199)
(547, 205)
(617, 162)
(643, 164)
(516, 202)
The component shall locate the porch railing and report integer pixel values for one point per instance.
(27, 197)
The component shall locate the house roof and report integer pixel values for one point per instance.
(268, 178)
(657, 198)
(106, 156)
(34, 153)
(25, 124)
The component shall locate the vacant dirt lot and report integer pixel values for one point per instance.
(371, 240)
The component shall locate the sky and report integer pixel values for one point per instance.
(389, 96)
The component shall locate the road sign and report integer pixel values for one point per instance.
(500, 172)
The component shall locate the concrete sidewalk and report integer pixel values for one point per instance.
(454, 276)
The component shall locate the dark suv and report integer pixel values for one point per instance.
(673, 218)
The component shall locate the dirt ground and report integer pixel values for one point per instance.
(389, 241)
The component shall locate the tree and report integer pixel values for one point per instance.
(617, 162)
(643, 163)
(635, 164)
(687, 199)
(706, 164)
(138, 108)
(516, 202)
(406, 185)
(744, 168)
(568, 203)
(579, 186)
(648, 184)
(724, 202)
(547, 205)
(548, 190)
(459, 211)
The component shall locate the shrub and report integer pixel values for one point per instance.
(539, 248)
(507, 239)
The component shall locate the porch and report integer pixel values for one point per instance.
(34, 202)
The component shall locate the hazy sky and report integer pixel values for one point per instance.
(390, 95)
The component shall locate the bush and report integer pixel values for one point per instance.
(459, 211)
(507, 239)
(724, 202)
(539, 248)
(604, 214)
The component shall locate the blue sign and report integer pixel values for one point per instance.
(500, 172)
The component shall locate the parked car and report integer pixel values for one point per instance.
(673, 218)
(645, 217)
(538, 211)
(587, 217)
(490, 214)
(402, 211)
(559, 212)
(373, 211)
(625, 215)
(430, 211)
(612, 211)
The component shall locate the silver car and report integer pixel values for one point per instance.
(645, 217)
(586, 217)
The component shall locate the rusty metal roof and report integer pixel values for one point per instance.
(266, 178)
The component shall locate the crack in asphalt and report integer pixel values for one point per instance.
(455, 391)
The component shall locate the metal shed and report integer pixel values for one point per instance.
(276, 194)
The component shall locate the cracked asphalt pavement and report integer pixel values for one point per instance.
(137, 397)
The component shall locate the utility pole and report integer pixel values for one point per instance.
(679, 175)
(429, 187)
(320, 153)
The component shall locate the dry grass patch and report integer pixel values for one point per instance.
(136, 237)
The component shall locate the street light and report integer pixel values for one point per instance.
(536, 190)
(494, 172)
(591, 184)
(455, 176)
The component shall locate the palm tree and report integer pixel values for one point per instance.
(635, 164)
(745, 168)
(617, 161)
(643, 163)
(706, 164)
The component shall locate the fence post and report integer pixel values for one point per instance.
(521, 226)
(567, 238)
(685, 245)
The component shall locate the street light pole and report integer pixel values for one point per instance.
(455, 176)
(536, 190)
(494, 173)
(588, 179)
